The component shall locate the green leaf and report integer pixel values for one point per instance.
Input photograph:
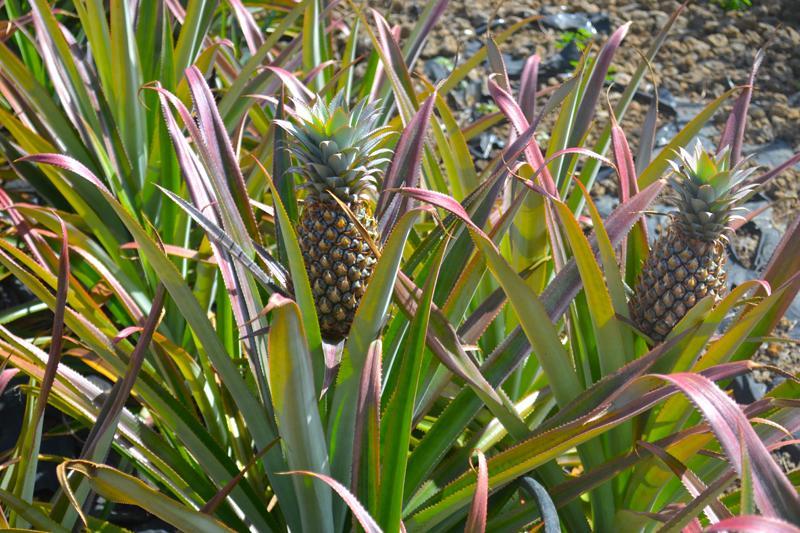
(608, 336)
(294, 398)
(536, 324)
(31, 513)
(396, 423)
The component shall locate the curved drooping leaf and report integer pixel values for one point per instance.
(545, 503)
(119, 487)
(363, 517)
(253, 413)
(631, 400)
(774, 493)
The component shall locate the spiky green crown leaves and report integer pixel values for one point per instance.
(708, 192)
(337, 148)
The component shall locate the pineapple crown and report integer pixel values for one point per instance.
(708, 192)
(337, 148)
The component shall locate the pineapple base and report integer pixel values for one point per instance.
(677, 274)
(339, 261)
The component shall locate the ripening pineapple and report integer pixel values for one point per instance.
(687, 261)
(338, 154)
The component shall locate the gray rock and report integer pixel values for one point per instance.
(569, 21)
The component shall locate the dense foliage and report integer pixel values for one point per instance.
(492, 378)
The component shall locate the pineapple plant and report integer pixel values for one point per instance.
(339, 157)
(687, 261)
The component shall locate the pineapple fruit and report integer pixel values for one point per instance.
(338, 154)
(686, 263)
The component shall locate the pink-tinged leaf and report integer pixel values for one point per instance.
(67, 163)
(419, 35)
(507, 465)
(525, 139)
(624, 159)
(23, 228)
(753, 524)
(647, 137)
(364, 519)
(280, 277)
(252, 34)
(733, 134)
(573, 488)
(295, 86)
(573, 150)
(444, 342)
(314, 72)
(404, 170)
(594, 86)
(773, 491)
(447, 203)
(211, 505)
(5, 378)
(57, 339)
(782, 270)
(603, 389)
(473, 327)
(560, 292)
(476, 521)
(783, 443)
(218, 149)
(124, 333)
(333, 356)
(395, 66)
(747, 503)
(715, 511)
(627, 179)
(214, 179)
(108, 420)
(366, 443)
(497, 65)
(685, 518)
(527, 89)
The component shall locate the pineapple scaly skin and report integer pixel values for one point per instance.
(339, 261)
(677, 274)
(687, 261)
(339, 156)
